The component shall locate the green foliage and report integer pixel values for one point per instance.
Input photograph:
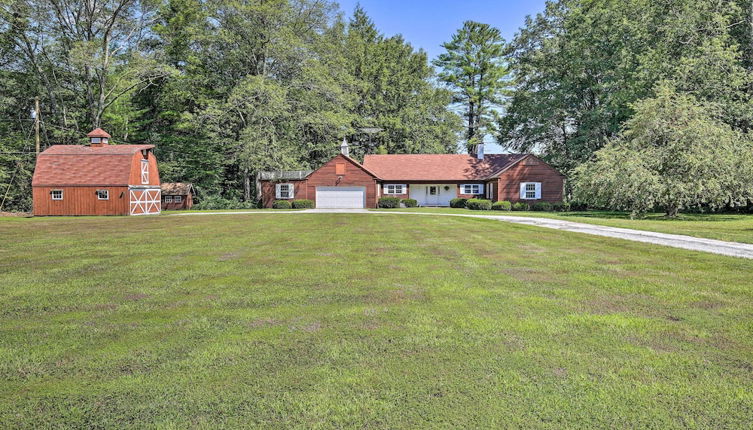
(303, 204)
(458, 203)
(388, 202)
(502, 205)
(542, 207)
(674, 154)
(409, 203)
(281, 204)
(520, 206)
(215, 202)
(478, 204)
(580, 66)
(561, 207)
(473, 67)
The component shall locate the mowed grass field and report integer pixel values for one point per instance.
(365, 321)
(729, 227)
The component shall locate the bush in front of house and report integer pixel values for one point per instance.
(479, 204)
(410, 203)
(282, 204)
(561, 207)
(520, 206)
(542, 207)
(216, 202)
(303, 204)
(502, 205)
(388, 202)
(458, 203)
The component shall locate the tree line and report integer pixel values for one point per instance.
(629, 99)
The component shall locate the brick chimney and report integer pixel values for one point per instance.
(98, 138)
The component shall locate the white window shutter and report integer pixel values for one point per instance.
(481, 189)
(523, 190)
(277, 190)
(538, 190)
(291, 191)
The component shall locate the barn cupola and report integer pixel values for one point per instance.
(98, 138)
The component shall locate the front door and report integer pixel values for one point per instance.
(432, 195)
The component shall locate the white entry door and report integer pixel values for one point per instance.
(340, 197)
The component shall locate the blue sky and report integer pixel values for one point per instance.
(427, 24)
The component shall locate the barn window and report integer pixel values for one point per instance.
(471, 189)
(103, 195)
(530, 190)
(284, 191)
(168, 199)
(178, 199)
(395, 188)
(144, 171)
(57, 194)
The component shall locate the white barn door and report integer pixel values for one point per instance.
(145, 201)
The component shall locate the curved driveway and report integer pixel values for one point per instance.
(733, 249)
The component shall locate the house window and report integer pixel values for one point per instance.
(472, 189)
(339, 168)
(178, 199)
(530, 190)
(284, 191)
(144, 171)
(395, 189)
(168, 199)
(103, 195)
(57, 194)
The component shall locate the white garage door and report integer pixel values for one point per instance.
(340, 197)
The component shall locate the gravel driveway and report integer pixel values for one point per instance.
(732, 249)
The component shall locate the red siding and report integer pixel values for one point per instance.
(135, 177)
(187, 203)
(81, 201)
(355, 176)
(531, 170)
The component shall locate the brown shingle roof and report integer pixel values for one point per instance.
(438, 167)
(176, 188)
(109, 165)
(98, 132)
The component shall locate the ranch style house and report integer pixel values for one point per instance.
(430, 179)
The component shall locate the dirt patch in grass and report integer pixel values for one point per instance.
(135, 297)
(526, 274)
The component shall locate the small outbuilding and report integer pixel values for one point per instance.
(177, 195)
(97, 179)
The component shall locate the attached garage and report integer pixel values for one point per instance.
(340, 197)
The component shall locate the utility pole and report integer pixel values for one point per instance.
(36, 122)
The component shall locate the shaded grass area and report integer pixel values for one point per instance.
(347, 320)
(729, 227)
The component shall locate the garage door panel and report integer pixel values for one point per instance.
(340, 197)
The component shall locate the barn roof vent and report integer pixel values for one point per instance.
(98, 138)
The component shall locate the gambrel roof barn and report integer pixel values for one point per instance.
(96, 179)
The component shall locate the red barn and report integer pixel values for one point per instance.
(96, 179)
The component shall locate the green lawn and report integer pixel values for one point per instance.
(730, 227)
(363, 321)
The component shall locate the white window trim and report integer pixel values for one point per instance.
(290, 194)
(107, 195)
(168, 199)
(464, 188)
(52, 194)
(178, 199)
(403, 189)
(537, 191)
(144, 172)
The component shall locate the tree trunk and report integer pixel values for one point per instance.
(246, 186)
(672, 211)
